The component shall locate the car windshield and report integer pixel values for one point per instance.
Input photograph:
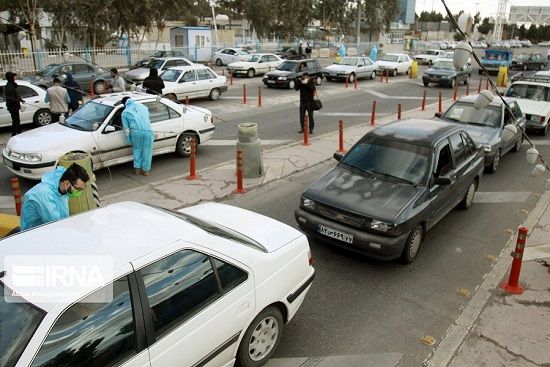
(253, 58)
(48, 70)
(158, 53)
(392, 58)
(170, 75)
(18, 322)
(243, 52)
(443, 64)
(390, 158)
(431, 52)
(351, 61)
(288, 66)
(88, 117)
(466, 113)
(534, 92)
(157, 64)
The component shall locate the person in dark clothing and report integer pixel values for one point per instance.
(74, 91)
(13, 102)
(153, 84)
(308, 51)
(306, 86)
(300, 50)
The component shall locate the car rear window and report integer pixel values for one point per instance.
(18, 322)
(534, 92)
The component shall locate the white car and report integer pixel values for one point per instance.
(193, 81)
(427, 57)
(352, 67)
(36, 110)
(138, 75)
(209, 286)
(395, 63)
(255, 64)
(96, 128)
(533, 96)
(451, 55)
(226, 56)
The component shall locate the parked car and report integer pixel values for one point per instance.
(255, 64)
(285, 75)
(544, 43)
(529, 62)
(96, 128)
(226, 56)
(428, 56)
(395, 63)
(444, 73)
(525, 43)
(391, 187)
(352, 67)
(209, 285)
(288, 53)
(84, 73)
(37, 111)
(193, 81)
(486, 126)
(137, 76)
(533, 96)
(496, 57)
(479, 44)
(163, 53)
(451, 55)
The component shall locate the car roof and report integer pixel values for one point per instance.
(114, 98)
(188, 67)
(415, 131)
(167, 58)
(301, 60)
(496, 101)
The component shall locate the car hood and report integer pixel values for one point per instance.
(279, 73)
(359, 193)
(51, 141)
(139, 73)
(269, 232)
(340, 68)
(532, 107)
(436, 71)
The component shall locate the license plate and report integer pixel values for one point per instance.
(271, 81)
(333, 233)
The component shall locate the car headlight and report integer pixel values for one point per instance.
(308, 204)
(265, 76)
(282, 78)
(487, 148)
(30, 157)
(381, 226)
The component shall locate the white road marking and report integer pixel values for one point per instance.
(223, 143)
(501, 197)
(538, 142)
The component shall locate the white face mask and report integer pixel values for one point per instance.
(304, 81)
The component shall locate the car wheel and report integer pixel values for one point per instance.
(453, 83)
(412, 245)
(261, 338)
(171, 97)
(329, 78)
(425, 83)
(544, 131)
(373, 75)
(496, 161)
(517, 147)
(183, 146)
(100, 87)
(250, 73)
(214, 94)
(219, 62)
(469, 196)
(351, 78)
(291, 84)
(319, 80)
(394, 72)
(524, 67)
(42, 117)
(408, 71)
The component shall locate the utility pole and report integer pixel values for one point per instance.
(358, 23)
(499, 21)
(212, 3)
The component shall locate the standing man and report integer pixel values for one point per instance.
(136, 123)
(153, 84)
(117, 82)
(308, 51)
(300, 50)
(74, 91)
(59, 100)
(373, 53)
(13, 102)
(306, 86)
(49, 200)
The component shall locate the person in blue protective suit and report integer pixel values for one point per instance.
(136, 123)
(49, 200)
(373, 53)
(342, 51)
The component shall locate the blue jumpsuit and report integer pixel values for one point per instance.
(44, 203)
(135, 118)
(342, 51)
(373, 53)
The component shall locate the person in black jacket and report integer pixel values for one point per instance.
(74, 91)
(153, 84)
(13, 102)
(306, 86)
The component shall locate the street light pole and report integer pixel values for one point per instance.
(358, 23)
(212, 3)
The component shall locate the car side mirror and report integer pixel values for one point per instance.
(442, 181)
(438, 115)
(109, 129)
(338, 156)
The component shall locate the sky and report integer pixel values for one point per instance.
(487, 8)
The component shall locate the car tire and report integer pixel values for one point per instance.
(269, 325)
(291, 84)
(329, 78)
(394, 72)
(372, 75)
(319, 80)
(425, 83)
(544, 131)
(469, 196)
(517, 146)
(351, 78)
(42, 117)
(496, 162)
(183, 146)
(100, 87)
(172, 97)
(412, 246)
(408, 71)
(214, 94)
(251, 73)
(219, 62)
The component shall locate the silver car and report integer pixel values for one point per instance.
(138, 75)
(352, 67)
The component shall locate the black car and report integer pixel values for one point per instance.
(288, 53)
(529, 62)
(286, 74)
(444, 73)
(392, 186)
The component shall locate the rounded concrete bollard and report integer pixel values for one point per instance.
(250, 145)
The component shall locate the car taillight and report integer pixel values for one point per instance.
(310, 258)
(542, 118)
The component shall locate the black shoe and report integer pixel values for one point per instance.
(301, 132)
(311, 132)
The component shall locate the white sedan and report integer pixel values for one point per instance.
(210, 285)
(36, 111)
(226, 56)
(193, 81)
(96, 128)
(352, 67)
(395, 63)
(255, 64)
